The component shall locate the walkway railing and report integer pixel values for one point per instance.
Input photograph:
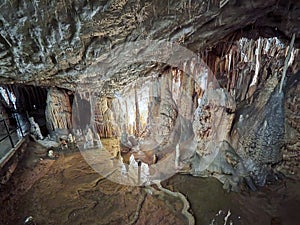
(11, 134)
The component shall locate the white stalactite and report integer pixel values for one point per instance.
(229, 61)
(257, 63)
(223, 3)
(177, 156)
(286, 62)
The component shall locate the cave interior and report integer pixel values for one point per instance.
(134, 112)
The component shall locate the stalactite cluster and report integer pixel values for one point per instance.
(244, 66)
(58, 110)
(249, 73)
(237, 102)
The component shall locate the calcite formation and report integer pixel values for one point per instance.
(58, 110)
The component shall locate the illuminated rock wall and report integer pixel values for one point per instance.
(58, 110)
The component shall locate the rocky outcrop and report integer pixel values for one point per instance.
(213, 120)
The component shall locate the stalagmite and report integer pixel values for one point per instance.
(35, 129)
(89, 139)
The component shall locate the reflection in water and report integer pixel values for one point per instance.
(277, 204)
(220, 217)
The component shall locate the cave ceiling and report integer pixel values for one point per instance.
(56, 43)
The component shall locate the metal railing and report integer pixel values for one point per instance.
(11, 134)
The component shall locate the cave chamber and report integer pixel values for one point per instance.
(149, 112)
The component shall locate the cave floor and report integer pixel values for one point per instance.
(68, 191)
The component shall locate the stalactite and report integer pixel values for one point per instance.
(177, 156)
(168, 110)
(229, 62)
(126, 116)
(257, 63)
(154, 103)
(235, 61)
(137, 113)
(286, 63)
(105, 119)
(185, 105)
(9, 98)
(222, 66)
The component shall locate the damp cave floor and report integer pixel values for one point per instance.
(68, 191)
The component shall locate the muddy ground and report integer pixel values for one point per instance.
(68, 191)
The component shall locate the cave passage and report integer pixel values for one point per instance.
(18, 104)
(149, 112)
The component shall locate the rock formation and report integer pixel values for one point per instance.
(58, 110)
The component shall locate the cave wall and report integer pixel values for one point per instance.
(291, 150)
